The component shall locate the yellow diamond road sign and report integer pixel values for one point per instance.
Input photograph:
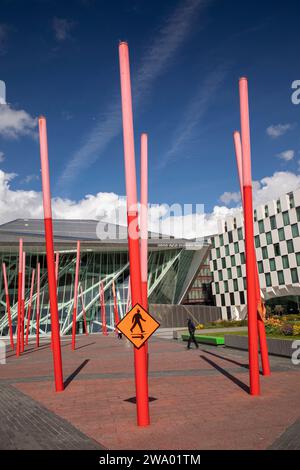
(138, 325)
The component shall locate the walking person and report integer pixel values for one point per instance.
(191, 328)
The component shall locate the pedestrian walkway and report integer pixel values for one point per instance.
(198, 398)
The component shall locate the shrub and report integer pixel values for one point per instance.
(200, 326)
(287, 329)
(296, 329)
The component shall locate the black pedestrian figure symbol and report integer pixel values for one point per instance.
(136, 320)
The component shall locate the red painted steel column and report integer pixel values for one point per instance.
(116, 312)
(83, 310)
(55, 328)
(75, 295)
(261, 327)
(18, 349)
(38, 305)
(141, 379)
(29, 306)
(11, 336)
(23, 302)
(249, 240)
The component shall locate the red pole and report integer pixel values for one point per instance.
(261, 327)
(75, 295)
(116, 312)
(83, 310)
(141, 379)
(23, 302)
(38, 306)
(103, 309)
(18, 350)
(249, 240)
(144, 224)
(56, 350)
(29, 306)
(11, 336)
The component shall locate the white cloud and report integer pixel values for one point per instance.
(29, 178)
(275, 131)
(2, 157)
(15, 123)
(287, 155)
(229, 197)
(62, 28)
(156, 59)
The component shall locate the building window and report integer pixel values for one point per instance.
(212, 242)
(255, 215)
(236, 247)
(295, 230)
(223, 300)
(260, 267)
(266, 211)
(273, 222)
(290, 246)
(261, 227)
(235, 285)
(220, 275)
(218, 252)
(257, 241)
(294, 274)
(221, 240)
(286, 218)
(285, 262)
(228, 310)
(215, 264)
(269, 238)
(242, 298)
(268, 279)
(217, 288)
(298, 259)
(226, 286)
(280, 276)
(223, 263)
(232, 301)
(264, 252)
(234, 223)
(245, 283)
(278, 206)
(240, 233)
(225, 226)
(227, 250)
(239, 270)
(281, 234)
(272, 264)
(230, 239)
(232, 257)
(277, 249)
(291, 200)
(298, 213)
(229, 273)
(242, 258)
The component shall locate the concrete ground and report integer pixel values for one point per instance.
(199, 398)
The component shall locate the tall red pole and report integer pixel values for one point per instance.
(249, 240)
(141, 379)
(103, 309)
(83, 310)
(116, 312)
(11, 336)
(38, 305)
(75, 295)
(23, 302)
(55, 329)
(18, 349)
(29, 306)
(261, 327)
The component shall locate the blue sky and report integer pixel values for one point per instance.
(60, 59)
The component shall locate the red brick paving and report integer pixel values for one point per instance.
(196, 406)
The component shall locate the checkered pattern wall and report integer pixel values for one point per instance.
(277, 242)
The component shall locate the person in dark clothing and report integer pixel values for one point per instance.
(191, 328)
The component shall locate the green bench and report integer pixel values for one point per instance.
(215, 340)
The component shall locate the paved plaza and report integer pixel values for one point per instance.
(198, 399)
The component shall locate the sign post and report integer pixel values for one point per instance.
(138, 325)
(18, 350)
(75, 295)
(55, 329)
(141, 379)
(249, 240)
(37, 320)
(29, 306)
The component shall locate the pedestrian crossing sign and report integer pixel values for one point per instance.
(138, 325)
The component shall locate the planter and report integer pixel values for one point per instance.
(276, 347)
(215, 340)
